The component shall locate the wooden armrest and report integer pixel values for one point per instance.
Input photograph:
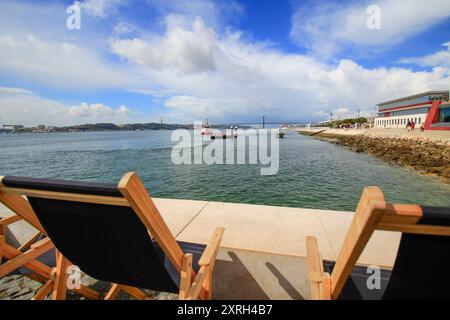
(41, 243)
(206, 264)
(9, 220)
(210, 253)
(314, 267)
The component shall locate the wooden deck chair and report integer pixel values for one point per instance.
(421, 269)
(34, 258)
(112, 233)
(21, 254)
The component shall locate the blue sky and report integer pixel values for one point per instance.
(140, 61)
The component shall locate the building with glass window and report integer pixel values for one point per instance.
(430, 109)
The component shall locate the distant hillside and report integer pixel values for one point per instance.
(125, 127)
(114, 127)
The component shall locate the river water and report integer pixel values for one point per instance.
(312, 173)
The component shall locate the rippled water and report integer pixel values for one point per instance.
(312, 174)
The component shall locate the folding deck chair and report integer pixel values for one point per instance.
(112, 233)
(422, 266)
(18, 254)
(34, 258)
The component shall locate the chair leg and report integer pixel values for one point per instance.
(32, 264)
(2, 242)
(89, 293)
(60, 287)
(22, 258)
(135, 292)
(44, 290)
(132, 291)
(186, 276)
(113, 292)
(326, 286)
(207, 286)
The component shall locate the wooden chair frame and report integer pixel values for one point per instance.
(192, 285)
(372, 213)
(17, 259)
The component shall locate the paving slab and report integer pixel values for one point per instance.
(178, 213)
(268, 229)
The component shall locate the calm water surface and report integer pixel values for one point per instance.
(312, 174)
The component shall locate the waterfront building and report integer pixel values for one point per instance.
(11, 127)
(430, 109)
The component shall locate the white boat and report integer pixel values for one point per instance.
(207, 130)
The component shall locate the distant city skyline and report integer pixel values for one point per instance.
(229, 61)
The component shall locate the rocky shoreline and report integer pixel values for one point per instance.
(426, 156)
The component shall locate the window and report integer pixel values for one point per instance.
(420, 120)
(444, 115)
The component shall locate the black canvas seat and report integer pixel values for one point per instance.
(109, 242)
(421, 268)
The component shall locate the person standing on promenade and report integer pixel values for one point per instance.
(408, 125)
(412, 125)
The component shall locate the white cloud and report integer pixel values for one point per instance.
(101, 8)
(190, 51)
(21, 106)
(246, 80)
(438, 59)
(327, 29)
(97, 110)
(9, 91)
(214, 13)
(7, 41)
(59, 64)
(195, 71)
(126, 28)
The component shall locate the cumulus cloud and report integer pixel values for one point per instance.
(97, 110)
(101, 8)
(189, 51)
(196, 70)
(328, 28)
(215, 13)
(59, 64)
(22, 106)
(440, 58)
(126, 28)
(249, 79)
